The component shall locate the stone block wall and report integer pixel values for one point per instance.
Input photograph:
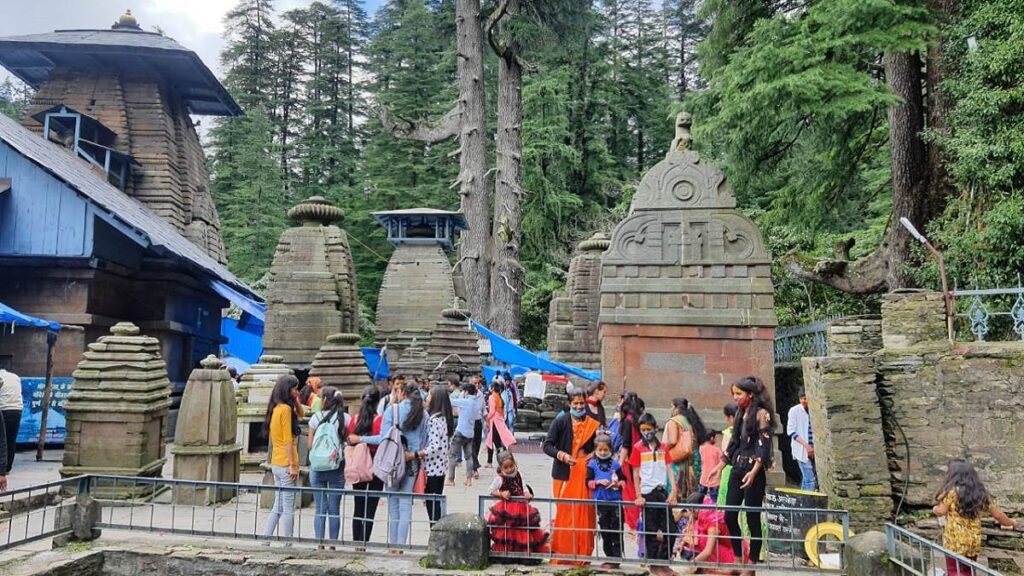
(850, 451)
(854, 335)
(948, 400)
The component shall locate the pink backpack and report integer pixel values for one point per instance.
(358, 464)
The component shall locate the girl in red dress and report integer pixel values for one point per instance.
(513, 522)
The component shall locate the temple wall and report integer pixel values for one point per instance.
(573, 335)
(958, 400)
(417, 287)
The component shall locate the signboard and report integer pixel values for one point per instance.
(787, 530)
(32, 395)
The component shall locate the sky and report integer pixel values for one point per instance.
(195, 24)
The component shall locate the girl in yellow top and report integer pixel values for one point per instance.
(962, 500)
(282, 424)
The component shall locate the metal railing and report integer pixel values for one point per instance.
(35, 513)
(985, 311)
(810, 539)
(794, 342)
(239, 511)
(921, 557)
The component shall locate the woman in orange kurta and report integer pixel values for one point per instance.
(570, 441)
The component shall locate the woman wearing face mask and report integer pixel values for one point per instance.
(570, 441)
(750, 453)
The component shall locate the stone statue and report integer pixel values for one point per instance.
(683, 139)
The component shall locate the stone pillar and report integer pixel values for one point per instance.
(417, 286)
(117, 411)
(253, 396)
(454, 345)
(340, 364)
(204, 442)
(573, 335)
(850, 451)
(311, 292)
(913, 317)
(687, 303)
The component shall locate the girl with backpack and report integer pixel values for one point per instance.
(435, 454)
(326, 461)
(360, 470)
(407, 416)
(282, 425)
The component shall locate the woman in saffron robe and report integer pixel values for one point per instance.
(570, 441)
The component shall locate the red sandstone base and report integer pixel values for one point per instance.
(698, 363)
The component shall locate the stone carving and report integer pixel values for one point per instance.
(311, 292)
(253, 396)
(573, 313)
(453, 345)
(204, 441)
(117, 411)
(340, 364)
(683, 271)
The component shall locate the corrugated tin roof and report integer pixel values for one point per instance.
(163, 238)
(33, 57)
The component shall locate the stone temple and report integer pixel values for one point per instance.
(418, 283)
(573, 335)
(312, 291)
(686, 290)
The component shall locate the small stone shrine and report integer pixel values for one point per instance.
(204, 442)
(418, 283)
(253, 396)
(340, 364)
(311, 292)
(117, 411)
(454, 345)
(414, 362)
(686, 291)
(573, 336)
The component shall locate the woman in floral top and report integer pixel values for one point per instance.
(962, 500)
(435, 454)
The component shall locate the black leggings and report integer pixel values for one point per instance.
(12, 421)
(496, 444)
(478, 436)
(752, 497)
(435, 485)
(657, 525)
(365, 509)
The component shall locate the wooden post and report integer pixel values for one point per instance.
(51, 341)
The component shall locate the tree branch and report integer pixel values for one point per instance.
(422, 130)
(492, 21)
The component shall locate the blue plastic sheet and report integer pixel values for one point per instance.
(511, 353)
(377, 363)
(9, 315)
(244, 338)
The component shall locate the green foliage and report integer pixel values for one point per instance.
(14, 98)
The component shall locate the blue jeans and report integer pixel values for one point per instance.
(400, 510)
(327, 505)
(809, 482)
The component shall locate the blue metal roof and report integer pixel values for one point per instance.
(33, 58)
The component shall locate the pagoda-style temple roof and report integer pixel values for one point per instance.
(421, 226)
(33, 58)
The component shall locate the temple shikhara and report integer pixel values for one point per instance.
(105, 213)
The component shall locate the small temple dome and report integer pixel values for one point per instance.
(126, 22)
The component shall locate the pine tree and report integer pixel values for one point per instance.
(248, 56)
(14, 97)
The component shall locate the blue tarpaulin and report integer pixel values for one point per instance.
(490, 371)
(511, 353)
(255, 308)
(9, 315)
(245, 338)
(377, 363)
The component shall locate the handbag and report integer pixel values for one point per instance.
(358, 464)
(420, 486)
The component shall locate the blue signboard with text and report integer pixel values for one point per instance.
(32, 395)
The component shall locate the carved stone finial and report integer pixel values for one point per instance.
(683, 139)
(598, 242)
(211, 362)
(124, 329)
(316, 210)
(455, 314)
(126, 22)
(343, 338)
(271, 359)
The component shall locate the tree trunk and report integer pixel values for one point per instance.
(940, 185)
(507, 271)
(473, 254)
(887, 268)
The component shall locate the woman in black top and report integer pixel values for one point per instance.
(750, 453)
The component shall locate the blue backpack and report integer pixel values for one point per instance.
(614, 431)
(327, 451)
